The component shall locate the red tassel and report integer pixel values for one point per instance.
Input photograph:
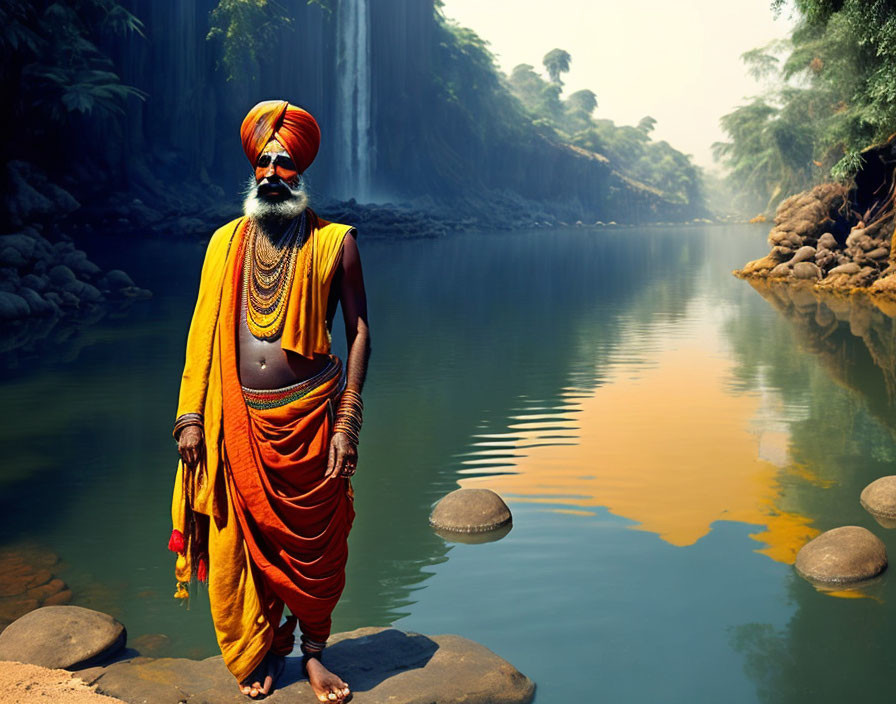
(176, 541)
(202, 570)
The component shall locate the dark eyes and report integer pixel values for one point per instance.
(283, 161)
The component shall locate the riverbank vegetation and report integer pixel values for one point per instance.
(832, 93)
(630, 148)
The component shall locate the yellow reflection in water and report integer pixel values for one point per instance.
(670, 447)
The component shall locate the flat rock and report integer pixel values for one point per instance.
(842, 555)
(381, 665)
(879, 497)
(470, 511)
(62, 637)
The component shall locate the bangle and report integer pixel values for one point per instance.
(349, 415)
(184, 420)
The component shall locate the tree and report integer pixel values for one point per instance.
(244, 28)
(646, 124)
(584, 101)
(556, 61)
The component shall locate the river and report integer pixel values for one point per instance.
(666, 437)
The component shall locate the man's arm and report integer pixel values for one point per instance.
(353, 300)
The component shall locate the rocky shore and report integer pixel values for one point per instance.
(49, 287)
(48, 284)
(380, 664)
(837, 237)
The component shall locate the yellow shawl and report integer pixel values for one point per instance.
(241, 630)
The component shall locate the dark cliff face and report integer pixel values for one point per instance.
(182, 143)
(191, 117)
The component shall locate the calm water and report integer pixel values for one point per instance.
(666, 436)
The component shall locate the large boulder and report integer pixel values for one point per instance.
(806, 270)
(842, 555)
(380, 665)
(62, 637)
(879, 497)
(13, 306)
(470, 511)
(803, 254)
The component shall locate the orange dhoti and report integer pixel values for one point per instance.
(274, 529)
(294, 523)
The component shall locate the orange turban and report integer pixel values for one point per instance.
(293, 127)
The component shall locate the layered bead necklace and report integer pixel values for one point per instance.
(269, 269)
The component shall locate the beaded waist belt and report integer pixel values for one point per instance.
(261, 399)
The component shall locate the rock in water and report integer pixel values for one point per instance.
(62, 637)
(379, 664)
(470, 511)
(879, 497)
(842, 555)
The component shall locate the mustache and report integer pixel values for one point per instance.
(268, 187)
(274, 201)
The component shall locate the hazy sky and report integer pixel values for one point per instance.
(677, 60)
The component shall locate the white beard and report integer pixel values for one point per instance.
(272, 216)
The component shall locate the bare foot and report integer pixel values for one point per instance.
(327, 686)
(259, 684)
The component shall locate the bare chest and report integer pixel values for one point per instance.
(263, 364)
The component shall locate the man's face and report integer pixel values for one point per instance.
(275, 168)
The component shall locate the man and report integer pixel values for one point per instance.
(268, 420)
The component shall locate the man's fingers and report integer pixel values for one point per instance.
(337, 465)
(331, 461)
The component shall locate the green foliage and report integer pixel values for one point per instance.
(468, 76)
(584, 101)
(629, 148)
(833, 95)
(647, 124)
(50, 50)
(848, 166)
(242, 29)
(556, 61)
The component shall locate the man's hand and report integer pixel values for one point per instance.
(190, 445)
(343, 457)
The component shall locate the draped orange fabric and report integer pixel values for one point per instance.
(276, 532)
(292, 126)
(295, 524)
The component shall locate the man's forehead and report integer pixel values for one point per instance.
(274, 147)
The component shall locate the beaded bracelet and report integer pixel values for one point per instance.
(184, 420)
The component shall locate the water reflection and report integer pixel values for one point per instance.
(667, 443)
(831, 650)
(461, 326)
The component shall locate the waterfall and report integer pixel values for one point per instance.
(353, 108)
